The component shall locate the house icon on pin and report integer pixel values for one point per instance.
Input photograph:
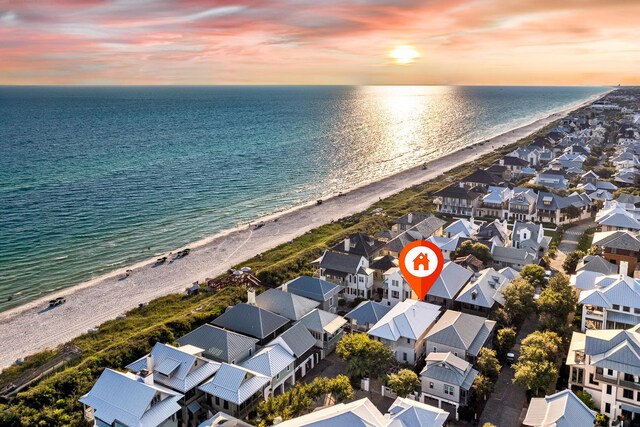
(421, 262)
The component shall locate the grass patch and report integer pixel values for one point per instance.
(584, 243)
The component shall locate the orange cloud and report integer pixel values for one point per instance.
(310, 42)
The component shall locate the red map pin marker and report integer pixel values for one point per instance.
(421, 263)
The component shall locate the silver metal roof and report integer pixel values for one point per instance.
(297, 339)
(452, 278)
(270, 361)
(285, 304)
(250, 320)
(219, 344)
(562, 409)
(461, 330)
(235, 384)
(407, 319)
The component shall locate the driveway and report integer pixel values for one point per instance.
(506, 405)
(569, 242)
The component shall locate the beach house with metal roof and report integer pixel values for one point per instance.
(404, 328)
(447, 379)
(460, 333)
(286, 304)
(366, 314)
(483, 292)
(619, 247)
(125, 399)
(251, 320)
(606, 364)
(276, 362)
(235, 390)
(327, 328)
(326, 293)
(299, 342)
(348, 270)
(562, 409)
(612, 301)
(448, 284)
(220, 344)
(181, 369)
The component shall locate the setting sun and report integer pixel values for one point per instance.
(404, 54)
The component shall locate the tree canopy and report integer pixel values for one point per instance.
(556, 302)
(535, 275)
(536, 368)
(482, 386)
(404, 382)
(479, 250)
(365, 357)
(488, 364)
(505, 339)
(518, 300)
(571, 261)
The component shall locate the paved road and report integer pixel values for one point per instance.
(569, 242)
(505, 407)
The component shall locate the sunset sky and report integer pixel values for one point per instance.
(540, 42)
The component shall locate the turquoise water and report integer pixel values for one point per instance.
(93, 179)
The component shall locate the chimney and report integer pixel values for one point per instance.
(410, 217)
(251, 296)
(624, 268)
(347, 244)
(150, 362)
(501, 162)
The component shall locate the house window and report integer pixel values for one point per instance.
(627, 394)
(395, 294)
(626, 309)
(608, 390)
(404, 356)
(395, 283)
(610, 372)
(607, 408)
(592, 381)
(431, 386)
(361, 279)
(408, 340)
(217, 401)
(435, 349)
(638, 397)
(577, 375)
(225, 404)
(448, 390)
(616, 306)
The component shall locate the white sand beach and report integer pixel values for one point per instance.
(29, 328)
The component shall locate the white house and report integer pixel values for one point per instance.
(404, 328)
(348, 270)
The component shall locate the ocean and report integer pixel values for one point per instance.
(96, 178)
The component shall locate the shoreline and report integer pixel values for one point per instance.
(30, 327)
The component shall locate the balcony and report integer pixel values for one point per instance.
(629, 384)
(594, 312)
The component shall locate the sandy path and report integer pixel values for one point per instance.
(29, 328)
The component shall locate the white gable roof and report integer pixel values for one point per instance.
(408, 319)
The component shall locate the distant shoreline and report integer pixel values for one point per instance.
(28, 328)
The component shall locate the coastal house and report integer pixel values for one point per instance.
(515, 258)
(447, 245)
(606, 364)
(366, 314)
(219, 344)
(327, 328)
(379, 266)
(326, 293)
(513, 164)
(495, 203)
(350, 271)
(483, 292)
(493, 233)
(277, 363)
(396, 289)
(610, 302)
(470, 262)
(234, 390)
(522, 204)
(530, 154)
(137, 402)
(426, 224)
(298, 341)
(286, 304)
(551, 179)
(621, 248)
(462, 334)
(480, 179)
(458, 199)
(462, 228)
(251, 320)
(562, 409)
(181, 369)
(530, 236)
(360, 244)
(448, 284)
(401, 234)
(617, 219)
(447, 379)
(561, 210)
(403, 412)
(404, 328)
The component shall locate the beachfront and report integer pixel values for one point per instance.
(32, 328)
